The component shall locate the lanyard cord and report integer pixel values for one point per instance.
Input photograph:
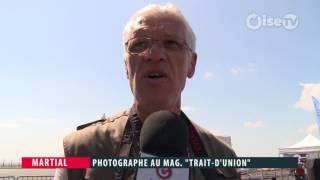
(194, 139)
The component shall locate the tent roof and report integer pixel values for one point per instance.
(309, 143)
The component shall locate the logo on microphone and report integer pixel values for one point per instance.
(164, 173)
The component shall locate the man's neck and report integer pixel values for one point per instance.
(143, 113)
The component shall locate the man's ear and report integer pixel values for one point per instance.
(192, 65)
(126, 68)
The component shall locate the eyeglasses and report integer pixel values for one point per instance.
(141, 45)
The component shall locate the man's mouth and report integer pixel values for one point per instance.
(155, 75)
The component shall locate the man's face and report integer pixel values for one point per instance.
(158, 61)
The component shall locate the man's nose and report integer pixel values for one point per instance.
(156, 52)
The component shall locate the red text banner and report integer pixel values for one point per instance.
(56, 162)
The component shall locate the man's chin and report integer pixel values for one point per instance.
(157, 104)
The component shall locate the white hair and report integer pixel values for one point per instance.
(160, 10)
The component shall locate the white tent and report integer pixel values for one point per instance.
(309, 145)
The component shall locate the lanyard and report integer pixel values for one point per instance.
(194, 138)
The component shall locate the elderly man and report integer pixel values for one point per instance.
(159, 56)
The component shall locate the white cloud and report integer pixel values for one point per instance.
(253, 124)
(188, 109)
(208, 75)
(235, 71)
(249, 67)
(252, 67)
(312, 128)
(8, 125)
(27, 122)
(305, 101)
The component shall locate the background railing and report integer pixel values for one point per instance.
(35, 178)
(7, 178)
(10, 164)
(27, 178)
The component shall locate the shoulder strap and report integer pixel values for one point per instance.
(198, 148)
(129, 143)
(194, 139)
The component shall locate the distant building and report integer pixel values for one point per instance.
(225, 139)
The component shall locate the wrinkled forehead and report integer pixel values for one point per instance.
(152, 26)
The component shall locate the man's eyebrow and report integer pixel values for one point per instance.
(146, 31)
(139, 32)
(175, 36)
(164, 34)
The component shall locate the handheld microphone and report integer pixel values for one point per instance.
(163, 134)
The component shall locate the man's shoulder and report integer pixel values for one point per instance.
(96, 135)
(105, 120)
(214, 146)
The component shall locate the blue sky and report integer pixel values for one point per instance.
(61, 65)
